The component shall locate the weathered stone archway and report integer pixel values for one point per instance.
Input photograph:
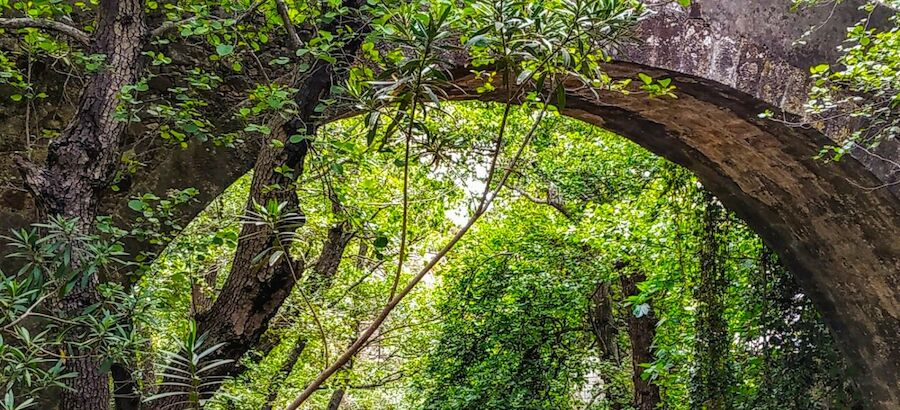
(730, 61)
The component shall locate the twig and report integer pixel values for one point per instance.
(62, 28)
(555, 204)
(405, 224)
(27, 312)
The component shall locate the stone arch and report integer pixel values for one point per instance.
(831, 231)
(834, 224)
(730, 62)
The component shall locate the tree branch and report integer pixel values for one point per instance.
(32, 175)
(286, 18)
(554, 203)
(61, 28)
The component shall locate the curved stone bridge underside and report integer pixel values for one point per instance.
(730, 61)
(837, 232)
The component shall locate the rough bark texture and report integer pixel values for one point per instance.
(79, 167)
(201, 297)
(641, 331)
(255, 288)
(254, 292)
(82, 161)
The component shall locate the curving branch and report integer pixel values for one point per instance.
(288, 26)
(556, 203)
(62, 28)
(170, 25)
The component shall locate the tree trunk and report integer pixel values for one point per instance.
(79, 168)
(603, 323)
(323, 274)
(712, 378)
(286, 367)
(255, 289)
(257, 285)
(201, 298)
(125, 389)
(641, 331)
(330, 259)
(336, 399)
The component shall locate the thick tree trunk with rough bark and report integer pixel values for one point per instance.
(80, 165)
(641, 331)
(254, 291)
(82, 161)
(258, 285)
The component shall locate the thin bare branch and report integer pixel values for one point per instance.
(27, 312)
(50, 25)
(288, 26)
(554, 203)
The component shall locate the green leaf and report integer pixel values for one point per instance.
(646, 79)
(224, 49)
(821, 68)
(561, 97)
(524, 75)
(136, 204)
(280, 61)
(641, 310)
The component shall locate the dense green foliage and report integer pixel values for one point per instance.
(863, 85)
(505, 321)
(512, 331)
